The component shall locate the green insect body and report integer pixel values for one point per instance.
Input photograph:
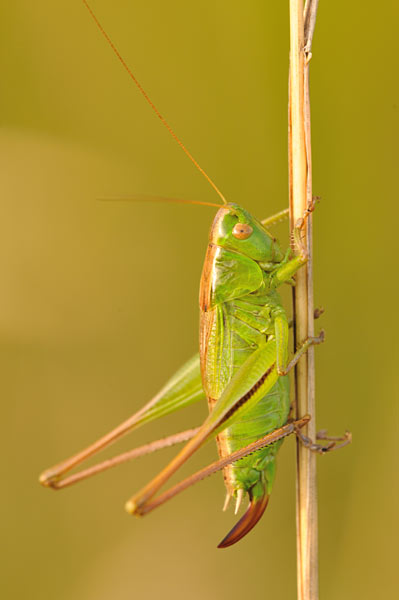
(239, 303)
(240, 370)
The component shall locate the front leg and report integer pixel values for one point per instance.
(286, 270)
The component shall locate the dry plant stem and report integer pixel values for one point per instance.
(300, 196)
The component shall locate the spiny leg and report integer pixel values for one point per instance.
(284, 214)
(182, 389)
(51, 477)
(287, 269)
(138, 452)
(277, 218)
(281, 326)
(298, 229)
(220, 464)
(310, 341)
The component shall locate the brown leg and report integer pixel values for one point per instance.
(321, 435)
(177, 438)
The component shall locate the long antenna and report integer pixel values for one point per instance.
(149, 198)
(150, 102)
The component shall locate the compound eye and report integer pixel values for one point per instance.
(242, 231)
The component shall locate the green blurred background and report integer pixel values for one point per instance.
(99, 301)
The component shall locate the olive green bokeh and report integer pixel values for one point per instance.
(99, 301)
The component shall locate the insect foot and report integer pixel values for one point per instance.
(320, 338)
(318, 311)
(303, 348)
(335, 442)
(308, 210)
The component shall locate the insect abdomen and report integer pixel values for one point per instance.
(236, 329)
(269, 413)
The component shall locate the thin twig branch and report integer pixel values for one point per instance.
(302, 23)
